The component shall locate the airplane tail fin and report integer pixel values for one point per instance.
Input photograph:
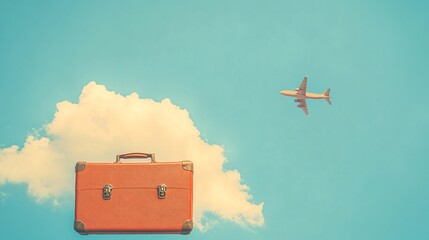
(326, 93)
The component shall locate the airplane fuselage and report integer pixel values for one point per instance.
(306, 96)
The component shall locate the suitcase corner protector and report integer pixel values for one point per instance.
(79, 227)
(187, 227)
(80, 166)
(188, 166)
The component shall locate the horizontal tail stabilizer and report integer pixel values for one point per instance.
(329, 101)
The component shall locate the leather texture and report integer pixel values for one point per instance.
(134, 205)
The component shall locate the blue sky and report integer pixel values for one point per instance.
(355, 170)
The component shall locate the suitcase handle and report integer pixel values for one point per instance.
(135, 155)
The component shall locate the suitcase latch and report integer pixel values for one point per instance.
(162, 191)
(107, 192)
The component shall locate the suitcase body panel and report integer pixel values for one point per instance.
(135, 204)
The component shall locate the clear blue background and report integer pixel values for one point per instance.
(355, 170)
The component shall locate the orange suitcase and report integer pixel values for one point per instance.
(138, 197)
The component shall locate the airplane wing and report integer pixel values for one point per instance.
(303, 105)
(303, 87)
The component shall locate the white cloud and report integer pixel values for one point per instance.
(103, 124)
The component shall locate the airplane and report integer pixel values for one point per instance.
(301, 95)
